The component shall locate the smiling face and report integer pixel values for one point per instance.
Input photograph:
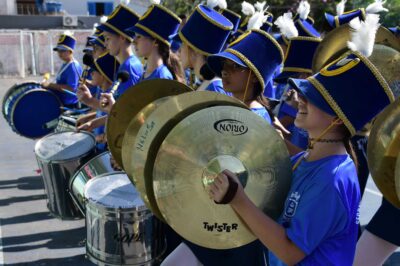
(143, 45)
(310, 118)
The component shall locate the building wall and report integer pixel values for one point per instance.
(79, 7)
(8, 7)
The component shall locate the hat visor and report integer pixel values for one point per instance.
(330, 19)
(104, 27)
(88, 50)
(132, 31)
(215, 61)
(96, 42)
(284, 76)
(306, 89)
(61, 48)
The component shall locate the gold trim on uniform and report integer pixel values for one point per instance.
(213, 21)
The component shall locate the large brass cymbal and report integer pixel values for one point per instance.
(334, 45)
(131, 132)
(203, 145)
(397, 176)
(152, 133)
(130, 103)
(383, 150)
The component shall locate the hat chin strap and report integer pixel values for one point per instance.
(312, 142)
(247, 87)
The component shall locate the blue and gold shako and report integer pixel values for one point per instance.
(107, 65)
(298, 58)
(98, 38)
(233, 17)
(206, 31)
(158, 22)
(346, 17)
(256, 50)
(120, 19)
(65, 42)
(350, 88)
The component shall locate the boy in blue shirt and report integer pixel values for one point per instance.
(69, 74)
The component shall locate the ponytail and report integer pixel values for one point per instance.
(261, 99)
(348, 145)
(172, 62)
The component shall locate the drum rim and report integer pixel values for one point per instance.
(85, 164)
(69, 160)
(12, 124)
(102, 207)
(7, 94)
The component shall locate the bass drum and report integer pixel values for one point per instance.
(97, 166)
(28, 109)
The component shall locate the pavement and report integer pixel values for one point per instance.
(29, 235)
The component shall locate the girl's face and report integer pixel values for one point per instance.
(311, 118)
(143, 45)
(113, 43)
(235, 77)
(97, 78)
(97, 51)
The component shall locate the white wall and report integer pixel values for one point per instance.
(79, 7)
(8, 7)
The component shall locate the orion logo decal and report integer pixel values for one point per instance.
(231, 126)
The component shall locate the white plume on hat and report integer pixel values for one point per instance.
(155, 2)
(68, 33)
(363, 34)
(248, 9)
(376, 7)
(219, 3)
(125, 2)
(103, 19)
(286, 25)
(340, 7)
(304, 9)
(259, 17)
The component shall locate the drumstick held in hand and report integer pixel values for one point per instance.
(122, 77)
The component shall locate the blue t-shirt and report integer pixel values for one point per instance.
(161, 72)
(261, 111)
(135, 69)
(321, 211)
(217, 86)
(69, 74)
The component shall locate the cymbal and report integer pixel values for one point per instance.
(397, 176)
(130, 103)
(383, 150)
(200, 147)
(130, 135)
(334, 44)
(152, 133)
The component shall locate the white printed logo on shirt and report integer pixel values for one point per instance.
(291, 206)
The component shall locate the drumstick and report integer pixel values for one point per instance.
(69, 92)
(122, 77)
(46, 77)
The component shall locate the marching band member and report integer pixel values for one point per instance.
(319, 222)
(69, 73)
(205, 33)
(153, 37)
(244, 66)
(102, 76)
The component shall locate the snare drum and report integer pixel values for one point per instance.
(59, 155)
(96, 166)
(120, 229)
(27, 108)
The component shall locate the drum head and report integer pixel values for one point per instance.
(65, 146)
(33, 110)
(113, 190)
